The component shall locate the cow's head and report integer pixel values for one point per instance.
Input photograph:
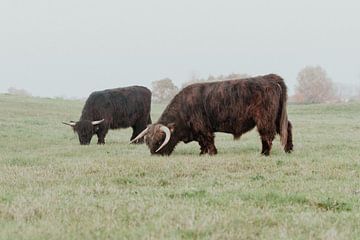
(85, 129)
(158, 138)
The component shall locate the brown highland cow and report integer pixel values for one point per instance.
(232, 106)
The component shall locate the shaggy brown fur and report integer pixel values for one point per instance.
(119, 107)
(233, 106)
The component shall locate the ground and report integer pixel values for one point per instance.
(53, 188)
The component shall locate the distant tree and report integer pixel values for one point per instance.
(357, 96)
(163, 90)
(192, 81)
(358, 91)
(18, 92)
(237, 76)
(314, 86)
(212, 78)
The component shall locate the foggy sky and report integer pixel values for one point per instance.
(72, 47)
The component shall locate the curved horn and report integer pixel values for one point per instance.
(97, 122)
(167, 132)
(143, 133)
(71, 124)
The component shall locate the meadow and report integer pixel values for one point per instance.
(53, 188)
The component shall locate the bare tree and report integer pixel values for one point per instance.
(163, 90)
(237, 76)
(213, 78)
(18, 92)
(314, 86)
(357, 97)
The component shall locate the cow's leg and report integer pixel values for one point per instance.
(266, 140)
(265, 146)
(289, 144)
(101, 133)
(207, 145)
(267, 133)
(137, 129)
(203, 149)
(136, 132)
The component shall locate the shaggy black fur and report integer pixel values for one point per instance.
(119, 107)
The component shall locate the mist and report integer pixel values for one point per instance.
(70, 48)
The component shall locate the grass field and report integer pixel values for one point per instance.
(53, 188)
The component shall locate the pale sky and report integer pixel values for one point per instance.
(72, 47)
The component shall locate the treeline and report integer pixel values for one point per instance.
(18, 92)
(164, 90)
(313, 86)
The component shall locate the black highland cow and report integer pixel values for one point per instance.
(112, 109)
(232, 106)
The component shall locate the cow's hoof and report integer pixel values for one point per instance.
(288, 149)
(265, 153)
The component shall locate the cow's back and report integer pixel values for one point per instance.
(224, 105)
(120, 107)
(130, 104)
(232, 106)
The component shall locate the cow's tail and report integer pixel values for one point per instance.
(283, 123)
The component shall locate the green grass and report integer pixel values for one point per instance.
(53, 188)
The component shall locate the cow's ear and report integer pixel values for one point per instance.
(171, 126)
